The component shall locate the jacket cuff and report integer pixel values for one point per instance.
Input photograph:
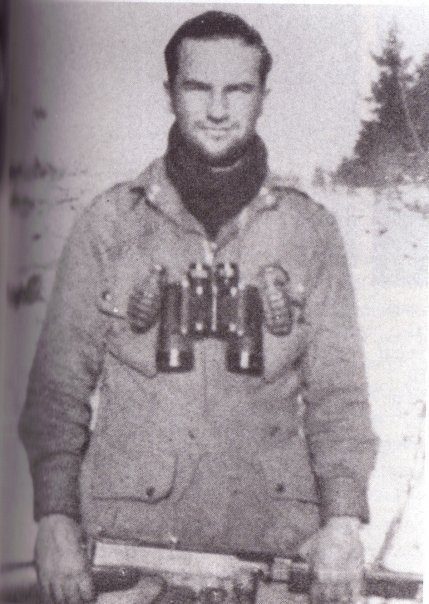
(343, 496)
(56, 487)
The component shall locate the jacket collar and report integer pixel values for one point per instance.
(158, 191)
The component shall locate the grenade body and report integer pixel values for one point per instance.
(144, 304)
(274, 287)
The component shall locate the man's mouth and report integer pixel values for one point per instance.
(216, 130)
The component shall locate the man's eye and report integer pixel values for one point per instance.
(191, 86)
(246, 88)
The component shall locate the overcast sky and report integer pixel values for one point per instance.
(97, 69)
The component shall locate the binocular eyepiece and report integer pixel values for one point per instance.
(207, 303)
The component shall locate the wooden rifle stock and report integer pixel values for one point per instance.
(18, 582)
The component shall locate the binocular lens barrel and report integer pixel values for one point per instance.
(245, 349)
(174, 353)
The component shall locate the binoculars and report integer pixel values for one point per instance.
(210, 303)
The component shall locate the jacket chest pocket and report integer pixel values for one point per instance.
(136, 350)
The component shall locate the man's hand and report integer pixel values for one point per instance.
(61, 563)
(336, 560)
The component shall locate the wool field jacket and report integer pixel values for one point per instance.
(208, 459)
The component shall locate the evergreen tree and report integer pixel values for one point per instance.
(419, 103)
(389, 144)
(385, 141)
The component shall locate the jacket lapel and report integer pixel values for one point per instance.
(160, 194)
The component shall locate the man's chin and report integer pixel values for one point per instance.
(217, 155)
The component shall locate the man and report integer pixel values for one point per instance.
(207, 459)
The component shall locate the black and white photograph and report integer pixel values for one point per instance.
(214, 313)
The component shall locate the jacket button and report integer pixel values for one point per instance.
(154, 190)
(173, 539)
(115, 310)
(280, 487)
(150, 492)
(274, 430)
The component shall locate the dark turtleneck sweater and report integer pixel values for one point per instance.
(214, 194)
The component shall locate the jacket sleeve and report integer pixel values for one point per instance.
(54, 424)
(337, 421)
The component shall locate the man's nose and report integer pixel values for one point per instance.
(218, 107)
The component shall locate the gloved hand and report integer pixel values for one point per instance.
(336, 560)
(144, 302)
(61, 563)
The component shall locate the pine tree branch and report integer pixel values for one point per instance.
(416, 140)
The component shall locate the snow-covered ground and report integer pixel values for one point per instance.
(387, 237)
(387, 240)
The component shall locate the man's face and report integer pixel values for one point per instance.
(217, 95)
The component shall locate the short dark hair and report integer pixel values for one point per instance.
(215, 24)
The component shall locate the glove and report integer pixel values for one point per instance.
(336, 560)
(61, 563)
(144, 303)
(277, 303)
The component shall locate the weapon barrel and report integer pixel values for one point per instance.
(380, 583)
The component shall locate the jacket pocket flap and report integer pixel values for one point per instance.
(148, 478)
(134, 349)
(281, 353)
(138, 351)
(288, 477)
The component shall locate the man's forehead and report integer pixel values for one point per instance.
(229, 58)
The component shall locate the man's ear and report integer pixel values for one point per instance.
(265, 93)
(169, 92)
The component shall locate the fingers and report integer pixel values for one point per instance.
(56, 592)
(334, 593)
(86, 588)
(68, 590)
(71, 591)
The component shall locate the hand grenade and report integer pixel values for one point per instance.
(144, 303)
(274, 288)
